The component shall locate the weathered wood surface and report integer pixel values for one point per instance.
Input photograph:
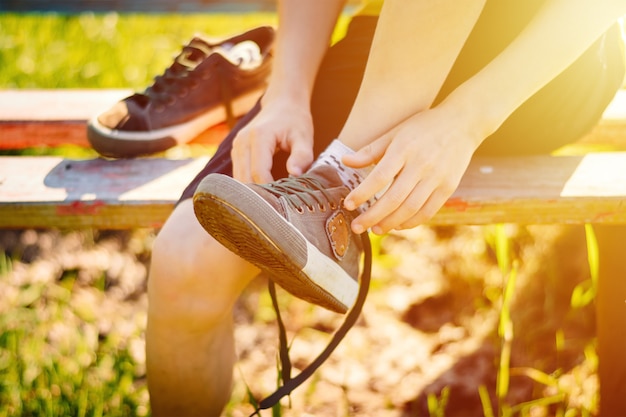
(56, 192)
(589, 188)
(31, 118)
(56, 117)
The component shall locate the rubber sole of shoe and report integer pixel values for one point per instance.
(124, 144)
(257, 233)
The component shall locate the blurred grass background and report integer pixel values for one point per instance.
(102, 50)
(47, 50)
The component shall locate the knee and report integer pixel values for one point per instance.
(191, 275)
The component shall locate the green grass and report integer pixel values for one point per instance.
(102, 51)
(61, 353)
(558, 402)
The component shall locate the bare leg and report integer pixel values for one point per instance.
(193, 284)
(414, 48)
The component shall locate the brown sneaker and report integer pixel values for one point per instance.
(295, 229)
(206, 84)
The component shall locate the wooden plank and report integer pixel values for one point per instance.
(67, 104)
(31, 118)
(56, 192)
(540, 190)
(35, 105)
(20, 135)
(55, 117)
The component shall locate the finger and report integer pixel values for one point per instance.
(369, 154)
(408, 209)
(419, 208)
(261, 161)
(386, 211)
(376, 181)
(300, 158)
(427, 212)
(240, 159)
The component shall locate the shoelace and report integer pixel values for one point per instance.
(289, 383)
(299, 191)
(180, 77)
(180, 73)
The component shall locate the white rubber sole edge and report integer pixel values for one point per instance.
(325, 275)
(184, 132)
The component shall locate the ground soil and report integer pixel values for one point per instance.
(428, 333)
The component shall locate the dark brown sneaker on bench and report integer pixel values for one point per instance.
(206, 84)
(295, 229)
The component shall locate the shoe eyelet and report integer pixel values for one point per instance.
(333, 206)
(322, 207)
(183, 93)
(300, 210)
(310, 208)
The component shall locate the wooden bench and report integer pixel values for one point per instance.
(51, 191)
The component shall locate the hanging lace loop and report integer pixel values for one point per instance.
(291, 383)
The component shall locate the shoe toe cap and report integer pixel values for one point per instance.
(124, 115)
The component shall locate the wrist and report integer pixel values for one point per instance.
(474, 111)
(290, 84)
(285, 101)
(281, 91)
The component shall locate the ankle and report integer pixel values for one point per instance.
(333, 155)
(350, 177)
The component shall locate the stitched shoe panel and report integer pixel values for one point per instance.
(294, 229)
(206, 84)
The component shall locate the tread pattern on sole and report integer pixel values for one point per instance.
(232, 229)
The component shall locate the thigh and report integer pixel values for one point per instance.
(565, 109)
